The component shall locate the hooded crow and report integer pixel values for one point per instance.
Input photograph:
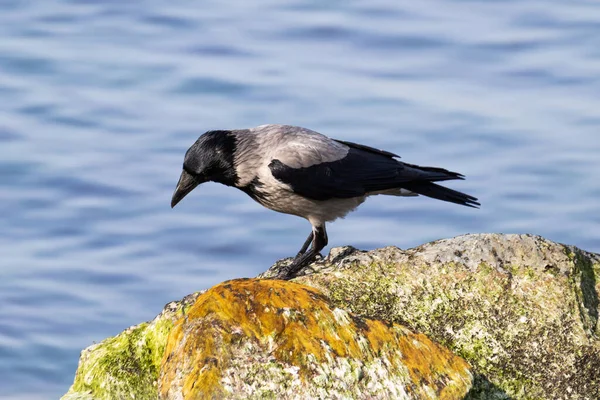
(297, 171)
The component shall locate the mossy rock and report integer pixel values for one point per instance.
(126, 366)
(268, 339)
(521, 309)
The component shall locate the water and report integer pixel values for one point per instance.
(100, 100)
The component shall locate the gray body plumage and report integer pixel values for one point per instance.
(297, 148)
(297, 171)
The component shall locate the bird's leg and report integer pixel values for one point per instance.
(319, 241)
(309, 239)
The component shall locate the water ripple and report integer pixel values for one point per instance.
(101, 100)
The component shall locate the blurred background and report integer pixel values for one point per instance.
(100, 101)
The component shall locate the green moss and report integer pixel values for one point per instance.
(78, 396)
(584, 281)
(127, 365)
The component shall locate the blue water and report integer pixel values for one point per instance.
(100, 100)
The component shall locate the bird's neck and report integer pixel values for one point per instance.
(227, 178)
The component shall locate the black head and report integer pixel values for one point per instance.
(209, 159)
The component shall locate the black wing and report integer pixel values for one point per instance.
(361, 171)
(368, 149)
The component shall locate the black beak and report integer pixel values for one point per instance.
(186, 184)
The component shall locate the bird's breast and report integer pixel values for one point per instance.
(280, 197)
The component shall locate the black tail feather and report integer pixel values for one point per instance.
(443, 174)
(435, 191)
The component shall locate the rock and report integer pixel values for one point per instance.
(521, 309)
(255, 339)
(126, 366)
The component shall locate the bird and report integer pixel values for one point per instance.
(298, 171)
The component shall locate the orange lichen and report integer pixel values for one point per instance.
(295, 326)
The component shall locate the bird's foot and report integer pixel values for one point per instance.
(299, 263)
(289, 271)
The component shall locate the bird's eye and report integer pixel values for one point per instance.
(189, 171)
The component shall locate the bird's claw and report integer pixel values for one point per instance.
(291, 270)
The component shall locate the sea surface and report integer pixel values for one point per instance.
(99, 100)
